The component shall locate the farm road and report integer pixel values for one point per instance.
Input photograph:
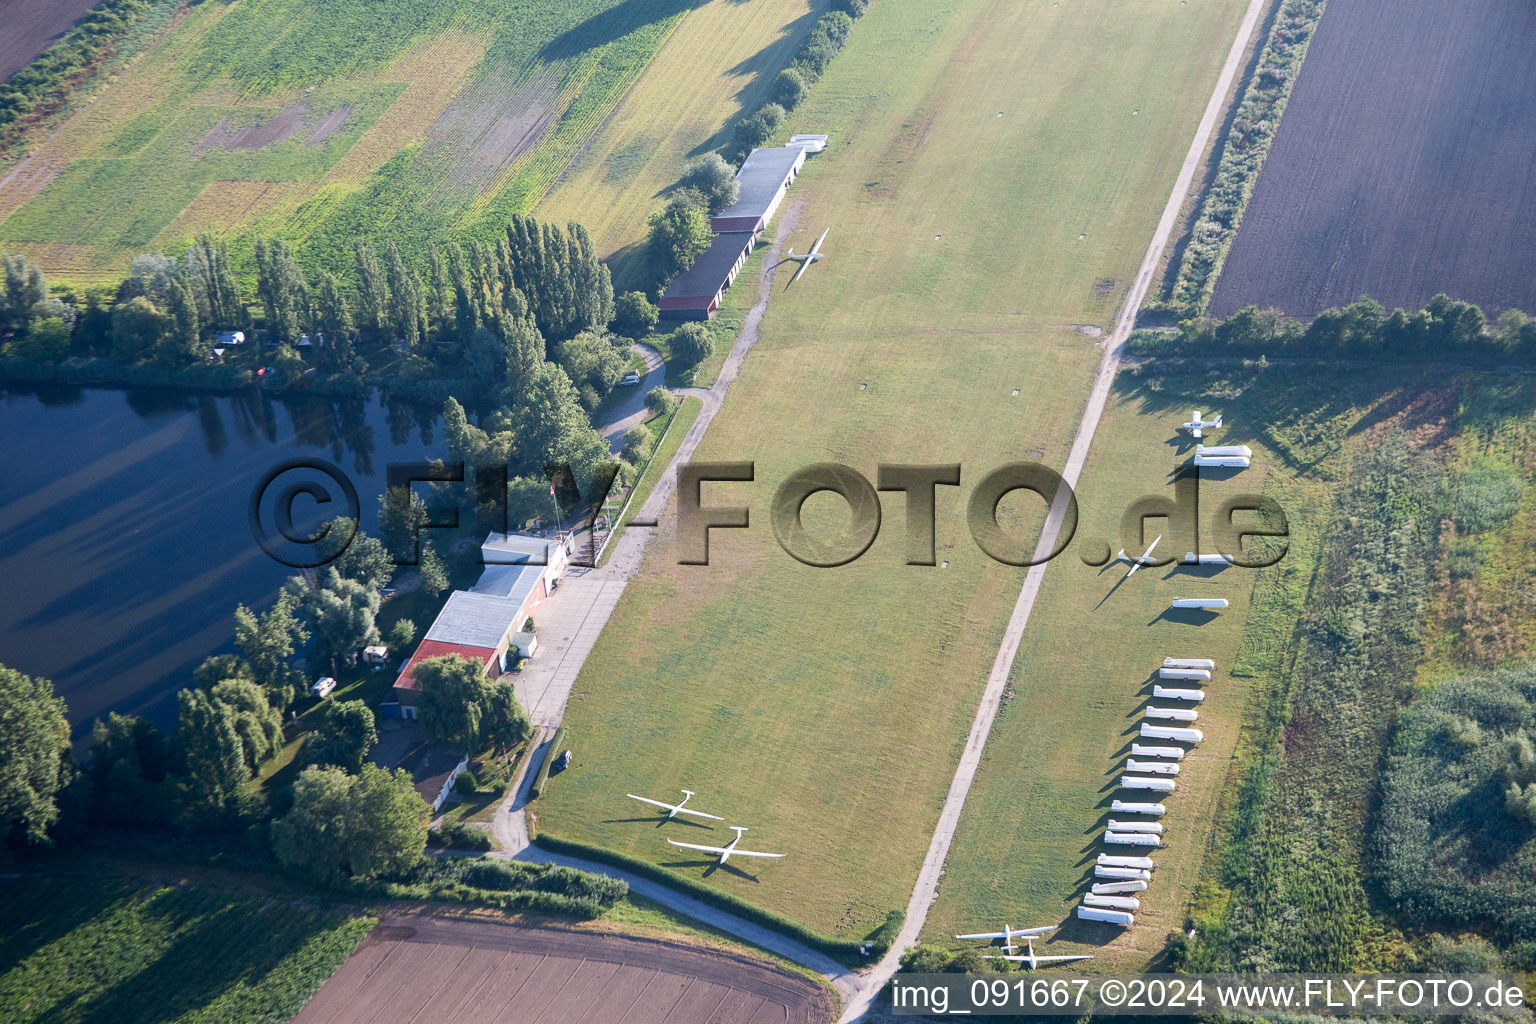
(926, 891)
(631, 412)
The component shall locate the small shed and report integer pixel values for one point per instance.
(376, 655)
(527, 644)
(227, 338)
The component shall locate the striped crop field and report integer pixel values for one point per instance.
(327, 123)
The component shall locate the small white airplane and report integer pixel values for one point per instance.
(1145, 558)
(726, 852)
(807, 258)
(1033, 960)
(1008, 934)
(673, 810)
(1196, 425)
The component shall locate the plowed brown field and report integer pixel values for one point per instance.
(1405, 164)
(482, 972)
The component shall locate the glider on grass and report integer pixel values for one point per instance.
(673, 810)
(807, 258)
(725, 853)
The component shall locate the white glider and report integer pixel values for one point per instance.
(1145, 558)
(1008, 934)
(673, 810)
(725, 853)
(806, 259)
(1033, 960)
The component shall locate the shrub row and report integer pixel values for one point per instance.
(845, 951)
(509, 886)
(1445, 330)
(458, 835)
(541, 779)
(1248, 140)
(89, 41)
(826, 38)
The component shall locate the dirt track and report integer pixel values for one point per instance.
(482, 972)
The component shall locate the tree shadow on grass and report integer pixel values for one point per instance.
(610, 25)
(188, 973)
(38, 911)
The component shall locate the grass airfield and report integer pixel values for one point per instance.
(996, 192)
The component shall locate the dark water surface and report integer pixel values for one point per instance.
(125, 541)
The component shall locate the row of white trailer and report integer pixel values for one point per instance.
(1151, 769)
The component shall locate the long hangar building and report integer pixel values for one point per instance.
(765, 178)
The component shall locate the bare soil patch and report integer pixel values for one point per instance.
(329, 124)
(487, 128)
(279, 126)
(478, 972)
(1404, 165)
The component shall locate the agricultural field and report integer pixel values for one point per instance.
(32, 26)
(1030, 832)
(464, 970)
(326, 124)
(92, 949)
(1401, 167)
(719, 65)
(976, 218)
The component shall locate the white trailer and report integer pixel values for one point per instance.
(1225, 451)
(1174, 714)
(1112, 902)
(1111, 888)
(1154, 827)
(1107, 916)
(1151, 767)
(1143, 782)
(1221, 461)
(1205, 663)
(1122, 874)
(1174, 693)
(1142, 750)
(1129, 807)
(1109, 860)
(1169, 732)
(1132, 839)
(1203, 603)
(1185, 675)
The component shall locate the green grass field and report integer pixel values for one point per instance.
(825, 708)
(95, 949)
(1030, 832)
(325, 124)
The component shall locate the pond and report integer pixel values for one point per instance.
(125, 534)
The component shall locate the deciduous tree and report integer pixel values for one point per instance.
(352, 826)
(34, 756)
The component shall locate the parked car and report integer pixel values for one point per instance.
(562, 762)
(630, 381)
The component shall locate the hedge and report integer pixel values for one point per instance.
(844, 951)
(542, 778)
(1242, 156)
(1445, 330)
